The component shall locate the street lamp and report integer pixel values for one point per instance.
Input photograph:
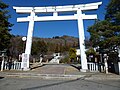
(23, 39)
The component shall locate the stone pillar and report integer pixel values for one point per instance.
(81, 41)
(119, 68)
(3, 60)
(119, 53)
(119, 61)
(106, 64)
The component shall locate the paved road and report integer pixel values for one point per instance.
(55, 69)
(95, 81)
(39, 84)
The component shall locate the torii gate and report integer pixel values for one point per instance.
(56, 10)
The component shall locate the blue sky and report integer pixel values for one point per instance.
(54, 28)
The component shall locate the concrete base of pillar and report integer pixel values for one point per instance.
(25, 69)
(84, 70)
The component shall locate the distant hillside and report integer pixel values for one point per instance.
(57, 40)
(44, 45)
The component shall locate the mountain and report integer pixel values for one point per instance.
(57, 40)
(43, 45)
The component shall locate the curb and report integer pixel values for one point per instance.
(43, 76)
(102, 78)
(62, 76)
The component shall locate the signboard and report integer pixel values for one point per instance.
(25, 58)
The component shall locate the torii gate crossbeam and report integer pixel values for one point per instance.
(79, 16)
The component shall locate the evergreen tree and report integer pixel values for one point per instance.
(113, 12)
(39, 47)
(106, 33)
(72, 54)
(4, 26)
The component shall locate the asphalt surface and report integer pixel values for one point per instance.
(58, 77)
(39, 84)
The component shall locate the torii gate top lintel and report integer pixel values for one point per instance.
(83, 7)
(55, 10)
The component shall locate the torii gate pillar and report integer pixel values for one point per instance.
(26, 55)
(81, 41)
(29, 38)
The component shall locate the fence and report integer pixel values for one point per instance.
(11, 66)
(95, 67)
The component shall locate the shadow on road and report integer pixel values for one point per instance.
(1, 77)
(76, 66)
(64, 82)
(49, 85)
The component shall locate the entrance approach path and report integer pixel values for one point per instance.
(58, 77)
(55, 69)
(59, 71)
